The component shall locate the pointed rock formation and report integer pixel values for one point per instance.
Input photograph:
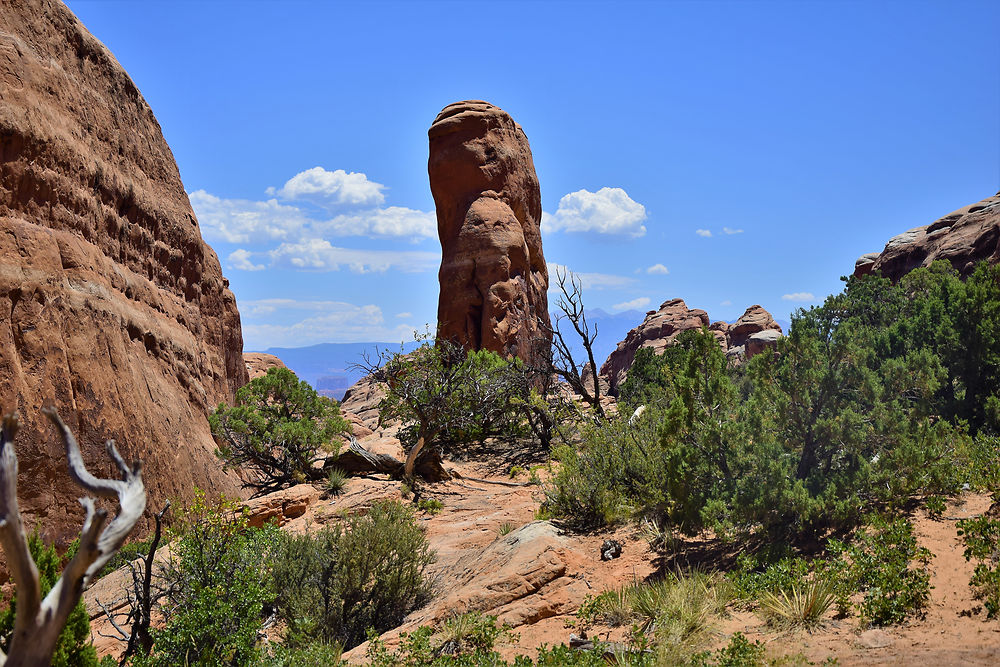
(493, 274)
(963, 237)
(115, 310)
(750, 334)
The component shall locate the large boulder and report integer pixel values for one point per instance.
(963, 237)
(116, 310)
(258, 363)
(493, 274)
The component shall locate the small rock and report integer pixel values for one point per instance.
(611, 549)
(874, 639)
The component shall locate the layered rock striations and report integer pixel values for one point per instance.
(753, 332)
(114, 308)
(493, 274)
(963, 237)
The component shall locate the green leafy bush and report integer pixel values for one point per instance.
(216, 585)
(982, 542)
(885, 563)
(73, 649)
(337, 583)
(274, 432)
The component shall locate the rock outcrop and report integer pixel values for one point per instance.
(661, 327)
(963, 237)
(115, 309)
(257, 363)
(493, 274)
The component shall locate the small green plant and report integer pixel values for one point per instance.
(311, 655)
(505, 528)
(739, 652)
(935, 506)
(335, 482)
(405, 491)
(515, 471)
(982, 542)
(802, 606)
(888, 566)
(431, 506)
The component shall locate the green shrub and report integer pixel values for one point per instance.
(335, 482)
(73, 648)
(431, 506)
(311, 655)
(739, 652)
(216, 586)
(274, 432)
(801, 605)
(982, 542)
(337, 583)
(885, 563)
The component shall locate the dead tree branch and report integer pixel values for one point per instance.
(39, 622)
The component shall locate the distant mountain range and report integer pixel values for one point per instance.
(328, 366)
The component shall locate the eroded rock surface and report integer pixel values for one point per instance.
(963, 237)
(661, 327)
(493, 274)
(115, 310)
(257, 363)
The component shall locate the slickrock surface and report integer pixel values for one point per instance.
(257, 363)
(661, 327)
(114, 308)
(493, 274)
(963, 237)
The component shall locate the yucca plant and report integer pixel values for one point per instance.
(614, 607)
(336, 480)
(505, 528)
(801, 606)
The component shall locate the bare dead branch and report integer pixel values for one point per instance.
(38, 622)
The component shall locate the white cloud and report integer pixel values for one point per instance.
(391, 222)
(658, 270)
(727, 302)
(703, 232)
(607, 211)
(243, 221)
(336, 187)
(329, 321)
(634, 304)
(590, 280)
(730, 230)
(798, 296)
(319, 255)
(404, 316)
(240, 260)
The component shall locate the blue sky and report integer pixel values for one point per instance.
(727, 153)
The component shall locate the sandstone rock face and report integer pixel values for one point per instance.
(661, 327)
(257, 363)
(963, 237)
(115, 309)
(493, 274)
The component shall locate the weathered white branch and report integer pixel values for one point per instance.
(38, 623)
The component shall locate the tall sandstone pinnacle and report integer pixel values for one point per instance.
(489, 210)
(113, 308)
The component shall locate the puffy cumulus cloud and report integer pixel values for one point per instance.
(240, 260)
(243, 221)
(390, 222)
(703, 232)
(634, 304)
(657, 270)
(337, 187)
(404, 316)
(799, 297)
(607, 211)
(320, 255)
(731, 231)
(325, 321)
(588, 280)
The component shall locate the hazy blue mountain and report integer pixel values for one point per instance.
(327, 366)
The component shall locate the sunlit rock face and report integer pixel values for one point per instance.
(493, 275)
(963, 237)
(114, 308)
